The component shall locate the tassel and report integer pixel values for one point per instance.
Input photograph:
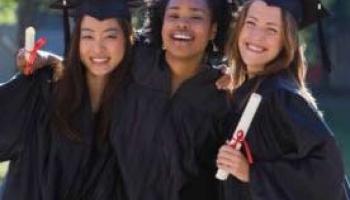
(326, 62)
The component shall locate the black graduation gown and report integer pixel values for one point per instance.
(295, 154)
(167, 145)
(44, 163)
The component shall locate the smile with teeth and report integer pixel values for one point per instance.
(99, 60)
(182, 36)
(255, 48)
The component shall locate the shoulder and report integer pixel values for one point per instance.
(145, 59)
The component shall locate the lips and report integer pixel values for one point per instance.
(255, 48)
(99, 60)
(182, 36)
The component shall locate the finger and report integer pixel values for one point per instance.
(20, 58)
(238, 171)
(226, 148)
(225, 168)
(232, 157)
(229, 161)
(222, 82)
(223, 162)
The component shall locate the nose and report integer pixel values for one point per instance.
(257, 34)
(183, 23)
(98, 46)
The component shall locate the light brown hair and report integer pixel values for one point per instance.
(290, 57)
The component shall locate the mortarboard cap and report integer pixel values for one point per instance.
(103, 9)
(305, 12)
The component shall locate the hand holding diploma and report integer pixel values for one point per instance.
(31, 47)
(238, 138)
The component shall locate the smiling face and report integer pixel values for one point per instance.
(187, 28)
(102, 45)
(260, 40)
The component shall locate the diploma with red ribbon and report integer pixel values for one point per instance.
(240, 133)
(31, 48)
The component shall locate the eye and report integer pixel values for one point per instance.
(172, 16)
(250, 23)
(197, 17)
(112, 36)
(86, 37)
(272, 31)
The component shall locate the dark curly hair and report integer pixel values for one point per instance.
(220, 13)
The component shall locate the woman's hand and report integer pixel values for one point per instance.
(43, 59)
(225, 82)
(40, 61)
(233, 162)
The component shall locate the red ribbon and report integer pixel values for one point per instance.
(241, 139)
(28, 68)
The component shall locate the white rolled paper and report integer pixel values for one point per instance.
(29, 41)
(243, 125)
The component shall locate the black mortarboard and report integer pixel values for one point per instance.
(103, 9)
(305, 12)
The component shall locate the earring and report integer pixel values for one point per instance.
(215, 48)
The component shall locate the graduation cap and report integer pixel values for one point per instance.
(307, 12)
(100, 9)
(103, 9)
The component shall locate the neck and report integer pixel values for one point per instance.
(182, 69)
(96, 87)
(253, 71)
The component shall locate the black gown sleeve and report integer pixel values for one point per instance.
(17, 110)
(296, 154)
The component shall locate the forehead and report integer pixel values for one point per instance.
(191, 4)
(92, 22)
(265, 13)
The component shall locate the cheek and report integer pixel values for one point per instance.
(117, 50)
(83, 50)
(203, 31)
(165, 31)
(276, 46)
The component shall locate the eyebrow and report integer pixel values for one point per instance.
(268, 23)
(86, 30)
(112, 30)
(192, 9)
(106, 30)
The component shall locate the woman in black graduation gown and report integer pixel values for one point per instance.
(295, 154)
(167, 136)
(55, 133)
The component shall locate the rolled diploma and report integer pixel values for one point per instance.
(243, 125)
(29, 41)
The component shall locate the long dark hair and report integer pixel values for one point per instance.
(70, 90)
(220, 13)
